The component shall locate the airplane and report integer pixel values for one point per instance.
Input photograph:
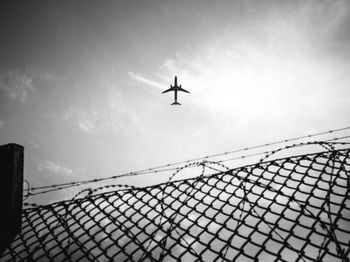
(175, 88)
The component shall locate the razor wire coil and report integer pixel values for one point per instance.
(289, 209)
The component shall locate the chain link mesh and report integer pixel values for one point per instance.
(291, 209)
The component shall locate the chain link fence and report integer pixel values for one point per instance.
(291, 209)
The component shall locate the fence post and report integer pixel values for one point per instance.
(11, 195)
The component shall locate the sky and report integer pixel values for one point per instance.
(81, 80)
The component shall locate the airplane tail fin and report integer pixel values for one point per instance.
(175, 103)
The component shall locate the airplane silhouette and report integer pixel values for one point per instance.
(175, 88)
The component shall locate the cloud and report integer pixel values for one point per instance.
(146, 81)
(86, 121)
(61, 170)
(17, 85)
(56, 168)
(302, 26)
(114, 112)
(87, 126)
(94, 119)
(265, 63)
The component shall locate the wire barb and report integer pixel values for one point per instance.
(293, 208)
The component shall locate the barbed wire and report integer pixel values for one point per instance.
(34, 191)
(328, 223)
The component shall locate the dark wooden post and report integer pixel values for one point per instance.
(11, 193)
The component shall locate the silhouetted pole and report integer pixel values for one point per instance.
(11, 187)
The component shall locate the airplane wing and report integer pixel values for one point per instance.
(168, 90)
(183, 90)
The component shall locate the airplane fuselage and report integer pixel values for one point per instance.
(176, 88)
